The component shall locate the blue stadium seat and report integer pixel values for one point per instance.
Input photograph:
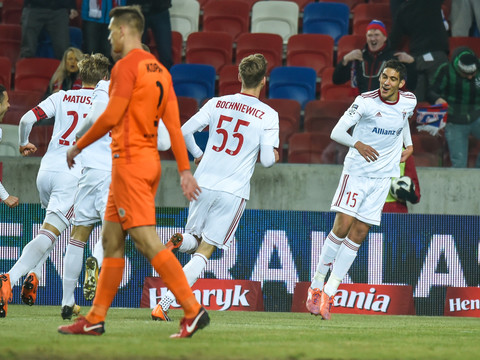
(45, 48)
(293, 82)
(326, 18)
(194, 80)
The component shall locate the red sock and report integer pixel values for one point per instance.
(171, 272)
(108, 283)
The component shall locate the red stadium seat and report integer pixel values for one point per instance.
(5, 72)
(10, 39)
(187, 106)
(307, 148)
(289, 116)
(228, 82)
(365, 13)
(428, 149)
(12, 11)
(40, 136)
(331, 91)
(177, 47)
(34, 74)
(20, 102)
(210, 48)
(322, 116)
(270, 45)
(230, 16)
(348, 43)
(312, 50)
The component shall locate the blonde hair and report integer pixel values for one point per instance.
(93, 68)
(61, 73)
(252, 70)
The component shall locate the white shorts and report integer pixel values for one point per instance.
(214, 216)
(361, 197)
(57, 193)
(92, 196)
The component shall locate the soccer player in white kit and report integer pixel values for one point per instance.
(381, 129)
(240, 126)
(56, 183)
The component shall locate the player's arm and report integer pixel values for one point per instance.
(9, 200)
(97, 109)
(163, 137)
(268, 141)
(407, 142)
(24, 128)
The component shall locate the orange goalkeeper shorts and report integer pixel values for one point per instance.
(131, 198)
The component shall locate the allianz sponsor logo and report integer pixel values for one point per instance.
(458, 304)
(381, 131)
(363, 301)
(224, 298)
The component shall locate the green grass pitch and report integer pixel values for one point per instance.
(31, 333)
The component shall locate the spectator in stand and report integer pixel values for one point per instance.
(462, 16)
(54, 16)
(412, 195)
(363, 66)
(421, 21)
(66, 76)
(458, 84)
(95, 20)
(394, 5)
(157, 18)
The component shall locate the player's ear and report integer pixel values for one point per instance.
(402, 84)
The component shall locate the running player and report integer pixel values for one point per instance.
(381, 129)
(240, 126)
(141, 93)
(56, 183)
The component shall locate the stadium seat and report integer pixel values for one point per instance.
(311, 50)
(10, 39)
(270, 45)
(34, 74)
(20, 102)
(326, 18)
(184, 17)
(331, 91)
(307, 148)
(301, 3)
(428, 149)
(210, 48)
(194, 80)
(45, 47)
(230, 16)
(12, 11)
(322, 116)
(292, 82)
(457, 41)
(365, 13)
(177, 47)
(348, 43)
(289, 116)
(277, 17)
(9, 143)
(5, 72)
(40, 136)
(188, 107)
(350, 3)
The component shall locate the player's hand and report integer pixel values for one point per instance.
(406, 153)
(368, 152)
(403, 57)
(198, 159)
(353, 55)
(71, 153)
(277, 157)
(189, 185)
(11, 201)
(27, 149)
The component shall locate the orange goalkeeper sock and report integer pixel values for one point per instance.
(171, 272)
(108, 283)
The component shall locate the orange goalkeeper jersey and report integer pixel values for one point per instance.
(141, 93)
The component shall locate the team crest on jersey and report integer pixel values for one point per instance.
(353, 109)
(405, 115)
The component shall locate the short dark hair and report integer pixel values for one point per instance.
(252, 70)
(2, 90)
(130, 15)
(398, 67)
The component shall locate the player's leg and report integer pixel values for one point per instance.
(72, 267)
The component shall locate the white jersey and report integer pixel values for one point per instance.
(383, 126)
(69, 109)
(238, 125)
(99, 155)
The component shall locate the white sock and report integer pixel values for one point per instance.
(327, 256)
(347, 254)
(192, 271)
(32, 254)
(72, 266)
(39, 267)
(189, 244)
(97, 252)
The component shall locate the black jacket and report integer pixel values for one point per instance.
(365, 74)
(50, 4)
